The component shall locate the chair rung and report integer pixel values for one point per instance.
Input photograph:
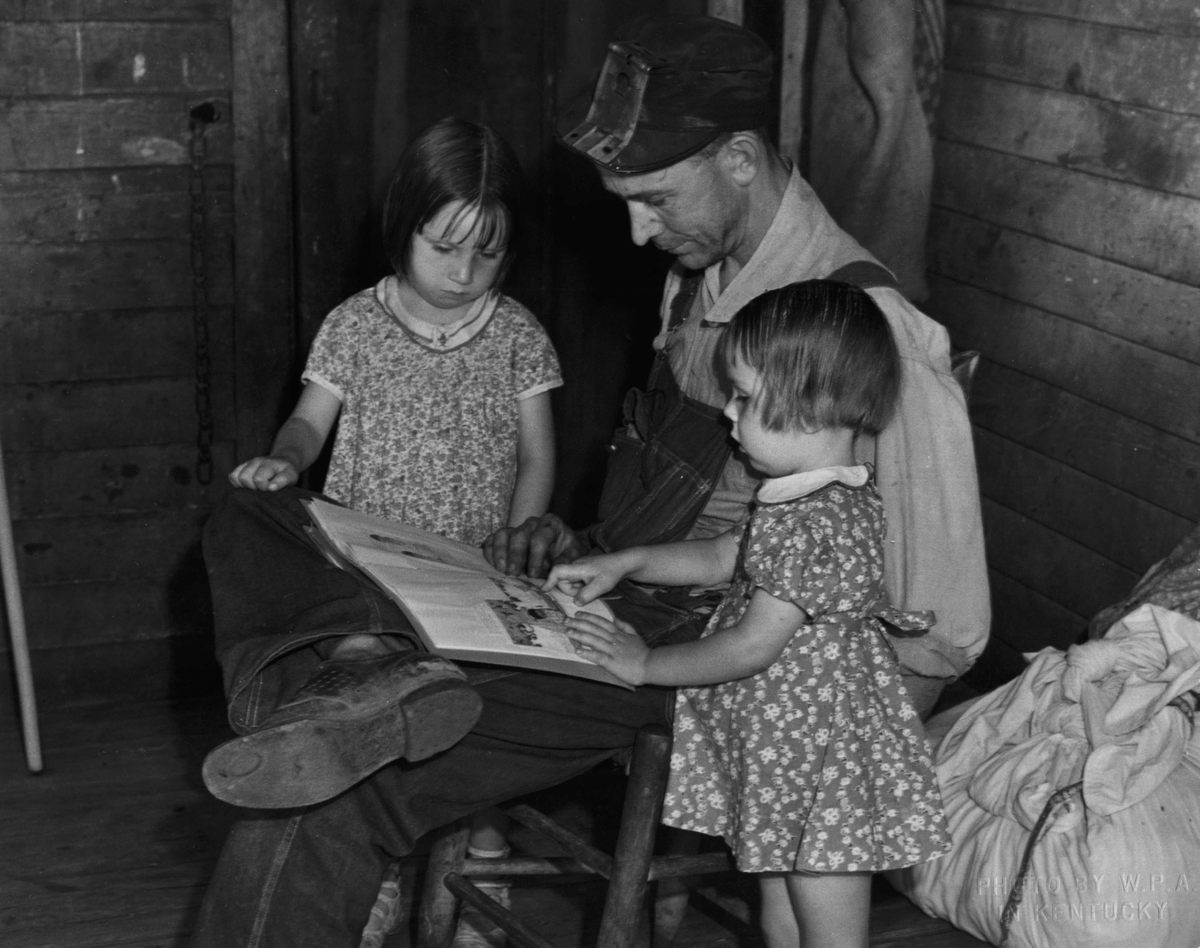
(675, 867)
(588, 855)
(518, 933)
(524, 866)
(624, 920)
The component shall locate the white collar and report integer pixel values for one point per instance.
(778, 490)
(439, 338)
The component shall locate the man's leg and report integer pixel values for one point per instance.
(278, 603)
(314, 719)
(309, 876)
(290, 879)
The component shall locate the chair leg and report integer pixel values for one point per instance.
(624, 922)
(673, 894)
(439, 906)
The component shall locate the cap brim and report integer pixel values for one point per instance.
(648, 149)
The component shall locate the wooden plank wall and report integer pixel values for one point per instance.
(1065, 246)
(98, 366)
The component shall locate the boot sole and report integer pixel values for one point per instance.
(311, 761)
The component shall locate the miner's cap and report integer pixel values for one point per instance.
(669, 86)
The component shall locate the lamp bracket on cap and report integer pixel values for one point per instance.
(613, 116)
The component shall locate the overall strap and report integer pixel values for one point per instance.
(677, 311)
(681, 302)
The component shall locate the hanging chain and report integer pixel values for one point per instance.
(200, 118)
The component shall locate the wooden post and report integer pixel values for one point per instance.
(791, 77)
(16, 632)
(791, 66)
(264, 296)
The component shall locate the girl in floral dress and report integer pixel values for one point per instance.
(796, 741)
(438, 382)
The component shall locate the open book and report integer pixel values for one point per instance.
(460, 606)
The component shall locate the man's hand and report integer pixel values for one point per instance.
(533, 547)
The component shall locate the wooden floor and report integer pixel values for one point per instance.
(112, 844)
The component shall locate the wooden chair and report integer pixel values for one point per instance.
(630, 869)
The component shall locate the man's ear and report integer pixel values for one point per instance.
(743, 156)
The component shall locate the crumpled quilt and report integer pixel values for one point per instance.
(1109, 723)
(1172, 582)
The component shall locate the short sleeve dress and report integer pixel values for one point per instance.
(819, 763)
(428, 430)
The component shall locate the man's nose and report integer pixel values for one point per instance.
(643, 224)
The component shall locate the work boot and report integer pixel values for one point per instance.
(353, 716)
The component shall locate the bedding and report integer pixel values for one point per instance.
(1073, 796)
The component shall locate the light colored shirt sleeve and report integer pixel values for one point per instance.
(333, 360)
(536, 367)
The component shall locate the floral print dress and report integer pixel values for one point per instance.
(428, 427)
(819, 763)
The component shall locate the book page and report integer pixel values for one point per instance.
(365, 538)
(484, 613)
(460, 605)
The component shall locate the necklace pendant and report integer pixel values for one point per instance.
(441, 339)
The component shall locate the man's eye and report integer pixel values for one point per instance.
(491, 254)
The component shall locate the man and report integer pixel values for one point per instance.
(732, 208)
(674, 127)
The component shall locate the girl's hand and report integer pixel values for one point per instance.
(614, 646)
(266, 473)
(587, 577)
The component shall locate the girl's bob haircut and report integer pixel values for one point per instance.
(454, 160)
(824, 356)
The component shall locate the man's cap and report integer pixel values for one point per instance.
(669, 86)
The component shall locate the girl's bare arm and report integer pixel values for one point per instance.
(296, 445)
(741, 650)
(535, 459)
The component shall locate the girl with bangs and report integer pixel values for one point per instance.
(439, 383)
(795, 739)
